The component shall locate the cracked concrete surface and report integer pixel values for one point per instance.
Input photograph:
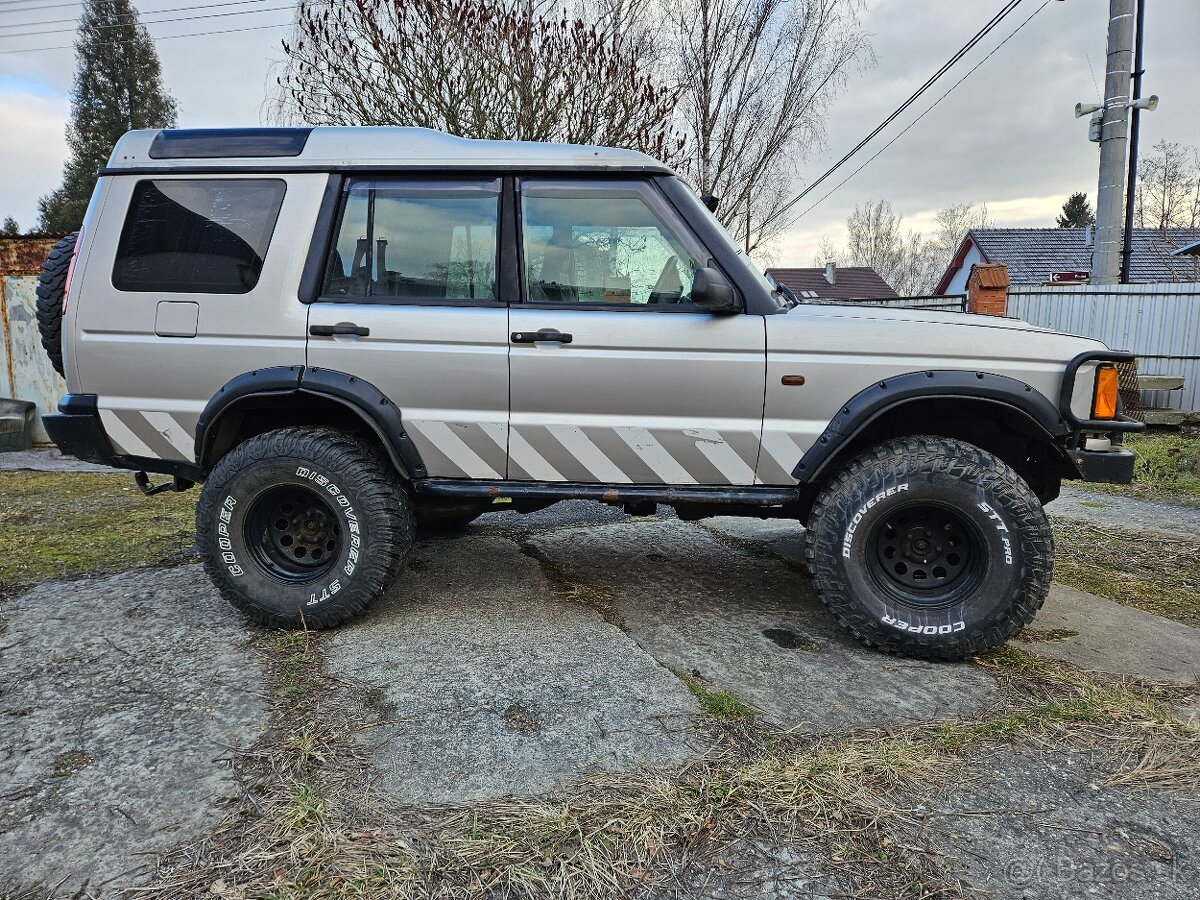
(509, 659)
(123, 701)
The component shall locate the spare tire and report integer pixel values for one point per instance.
(52, 282)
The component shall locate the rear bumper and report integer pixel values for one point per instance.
(77, 431)
(1108, 466)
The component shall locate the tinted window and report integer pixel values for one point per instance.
(601, 244)
(197, 236)
(417, 240)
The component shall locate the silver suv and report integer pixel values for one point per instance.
(349, 334)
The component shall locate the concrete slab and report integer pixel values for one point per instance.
(741, 617)
(1113, 638)
(1026, 825)
(122, 700)
(1129, 513)
(488, 680)
(46, 459)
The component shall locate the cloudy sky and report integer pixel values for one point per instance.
(1007, 136)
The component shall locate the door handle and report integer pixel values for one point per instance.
(339, 328)
(545, 334)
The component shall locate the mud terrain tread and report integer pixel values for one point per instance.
(385, 507)
(912, 456)
(51, 281)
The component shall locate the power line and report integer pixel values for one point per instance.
(929, 82)
(165, 37)
(130, 16)
(242, 12)
(931, 108)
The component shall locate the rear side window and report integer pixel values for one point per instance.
(197, 236)
(402, 240)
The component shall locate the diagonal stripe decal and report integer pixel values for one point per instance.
(120, 435)
(521, 452)
(588, 454)
(653, 454)
(718, 452)
(174, 433)
(783, 450)
(453, 448)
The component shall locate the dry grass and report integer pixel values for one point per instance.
(1157, 574)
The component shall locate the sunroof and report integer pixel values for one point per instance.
(216, 143)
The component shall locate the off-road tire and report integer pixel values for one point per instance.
(867, 512)
(52, 281)
(445, 517)
(362, 495)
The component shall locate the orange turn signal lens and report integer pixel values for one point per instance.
(1104, 401)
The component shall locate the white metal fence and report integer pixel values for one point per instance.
(1158, 322)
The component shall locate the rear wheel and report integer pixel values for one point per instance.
(930, 547)
(51, 289)
(303, 527)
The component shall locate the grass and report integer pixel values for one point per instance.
(717, 703)
(58, 524)
(1157, 574)
(1167, 467)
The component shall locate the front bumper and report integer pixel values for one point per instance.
(1107, 466)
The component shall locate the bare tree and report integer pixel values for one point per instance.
(757, 77)
(1168, 193)
(477, 68)
(907, 260)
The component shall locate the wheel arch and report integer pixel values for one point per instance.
(266, 399)
(1002, 415)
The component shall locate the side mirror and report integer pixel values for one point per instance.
(711, 291)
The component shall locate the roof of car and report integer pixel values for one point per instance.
(351, 147)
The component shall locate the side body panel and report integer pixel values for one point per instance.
(840, 352)
(131, 347)
(445, 367)
(637, 397)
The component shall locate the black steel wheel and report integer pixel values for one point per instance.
(926, 553)
(293, 533)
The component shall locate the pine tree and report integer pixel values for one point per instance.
(9, 227)
(1077, 212)
(118, 87)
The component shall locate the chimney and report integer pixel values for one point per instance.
(1089, 235)
(831, 272)
(987, 289)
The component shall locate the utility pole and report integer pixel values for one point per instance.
(1114, 141)
(1134, 129)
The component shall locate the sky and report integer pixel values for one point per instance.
(1007, 136)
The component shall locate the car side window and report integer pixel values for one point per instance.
(611, 243)
(197, 235)
(413, 240)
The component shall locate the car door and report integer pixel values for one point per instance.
(412, 304)
(615, 376)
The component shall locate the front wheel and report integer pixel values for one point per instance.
(303, 527)
(930, 547)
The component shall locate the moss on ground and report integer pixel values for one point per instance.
(1156, 574)
(56, 524)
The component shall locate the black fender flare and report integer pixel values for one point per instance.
(361, 397)
(936, 384)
